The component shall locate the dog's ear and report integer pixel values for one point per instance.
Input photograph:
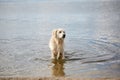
(54, 33)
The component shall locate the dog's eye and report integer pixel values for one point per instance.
(60, 32)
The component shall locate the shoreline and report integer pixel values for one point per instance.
(54, 78)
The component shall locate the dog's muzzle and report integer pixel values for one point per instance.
(64, 36)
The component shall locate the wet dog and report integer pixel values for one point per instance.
(56, 44)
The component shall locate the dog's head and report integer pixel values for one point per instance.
(59, 33)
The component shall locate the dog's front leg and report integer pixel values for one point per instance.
(58, 55)
(53, 54)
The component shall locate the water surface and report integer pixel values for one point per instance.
(92, 45)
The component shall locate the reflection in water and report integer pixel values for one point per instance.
(58, 68)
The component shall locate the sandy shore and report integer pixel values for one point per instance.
(54, 78)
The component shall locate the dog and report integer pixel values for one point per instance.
(56, 44)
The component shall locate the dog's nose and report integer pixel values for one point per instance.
(64, 36)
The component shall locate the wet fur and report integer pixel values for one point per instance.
(56, 45)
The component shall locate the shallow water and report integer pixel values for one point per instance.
(92, 45)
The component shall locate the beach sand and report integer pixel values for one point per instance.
(54, 78)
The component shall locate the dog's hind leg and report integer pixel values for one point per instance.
(63, 56)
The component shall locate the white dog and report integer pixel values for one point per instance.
(56, 44)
